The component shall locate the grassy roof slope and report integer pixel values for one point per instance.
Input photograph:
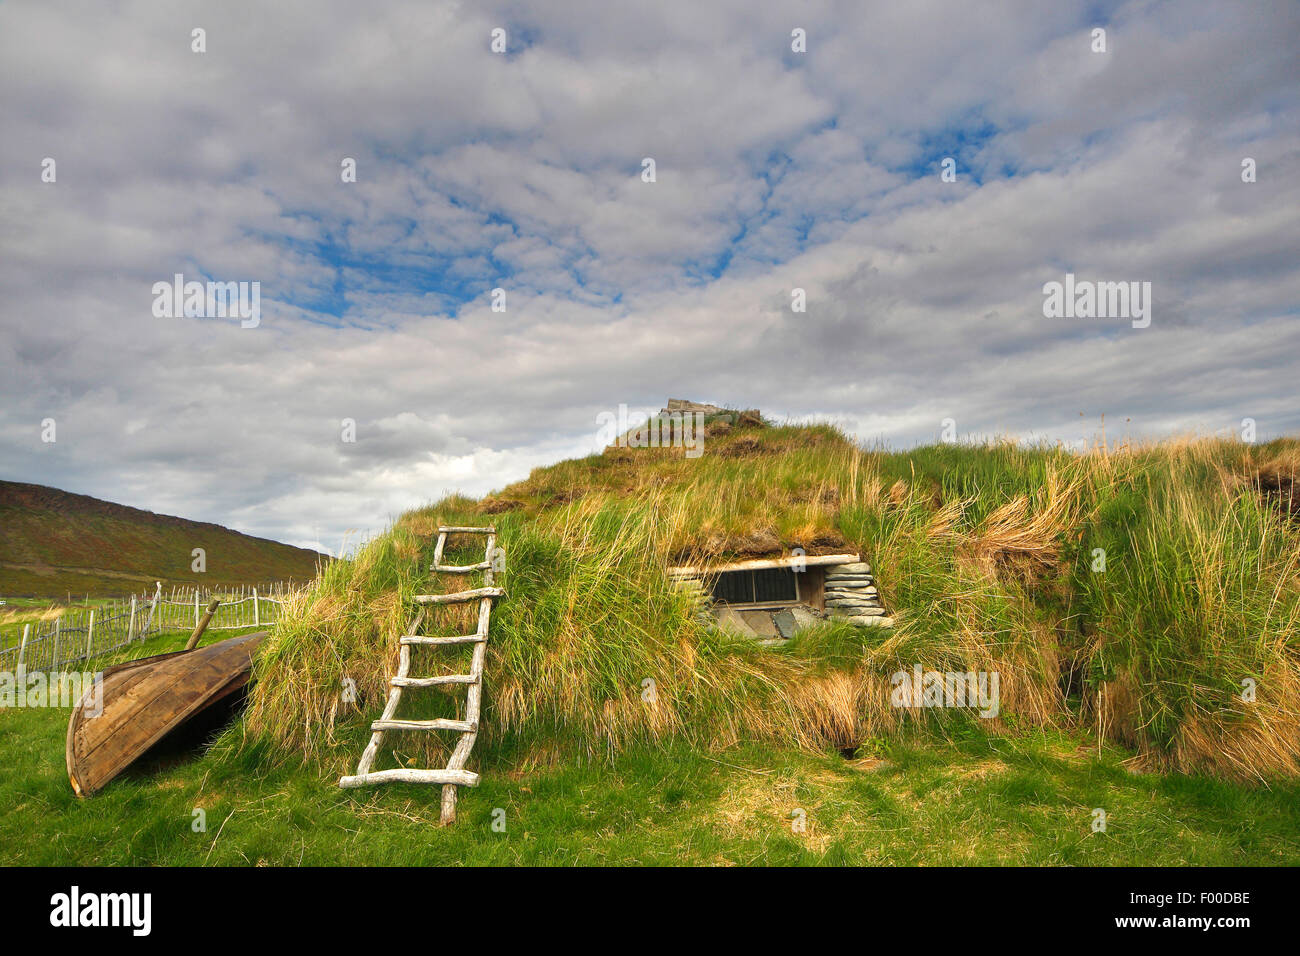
(988, 556)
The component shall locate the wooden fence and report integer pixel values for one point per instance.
(252, 609)
(81, 633)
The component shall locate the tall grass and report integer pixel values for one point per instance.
(1198, 602)
(985, 555)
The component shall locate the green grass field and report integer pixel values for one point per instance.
(977, 799)
(18, 612)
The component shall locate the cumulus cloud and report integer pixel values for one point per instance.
(477, 171)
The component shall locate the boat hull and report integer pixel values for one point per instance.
(142, 701)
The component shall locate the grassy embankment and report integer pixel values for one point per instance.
(990, 558)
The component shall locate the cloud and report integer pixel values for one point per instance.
(476, 171)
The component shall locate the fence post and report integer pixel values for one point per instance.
(257, 613)
(22, 650)
(90, 633)
(196, 607)
(54, 651)
(157, 596)
(130, 627)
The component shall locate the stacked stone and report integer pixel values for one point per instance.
(851, 595)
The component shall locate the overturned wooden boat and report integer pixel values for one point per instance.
(140, 702)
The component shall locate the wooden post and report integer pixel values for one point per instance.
(193, 642)
(148, 622)
(196, 607)
(257, 612)
(22, 649)
(54, 652)
(130, 626)
(90, 633)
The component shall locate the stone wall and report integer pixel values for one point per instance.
(851, 594)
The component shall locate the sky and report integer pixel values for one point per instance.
(783, 161)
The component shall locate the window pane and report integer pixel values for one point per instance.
(775, 584)
(749, 587)
(733, 587)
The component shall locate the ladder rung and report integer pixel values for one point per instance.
(464, 726)
(460, 596)
(432, 681)
(461, 568)
(461, 778)
(458, 639)
(454, 530)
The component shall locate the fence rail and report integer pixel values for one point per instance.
(79, 634)
(256, 610)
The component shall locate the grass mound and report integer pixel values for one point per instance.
(1142, 592)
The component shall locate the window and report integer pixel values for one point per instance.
(764, 586)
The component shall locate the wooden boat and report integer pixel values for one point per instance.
(142, 701)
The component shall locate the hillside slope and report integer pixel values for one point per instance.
(53, 542)
(1133, 593)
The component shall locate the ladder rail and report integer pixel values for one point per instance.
(394, 698)
(473, 701)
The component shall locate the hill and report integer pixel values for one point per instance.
(1147, 595)
(53, 542)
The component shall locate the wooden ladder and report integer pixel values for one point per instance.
(454, 774)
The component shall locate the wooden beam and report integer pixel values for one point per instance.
(439, 723)
(202, 625)
(460, 778)
(760, 564)
(460, 596)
